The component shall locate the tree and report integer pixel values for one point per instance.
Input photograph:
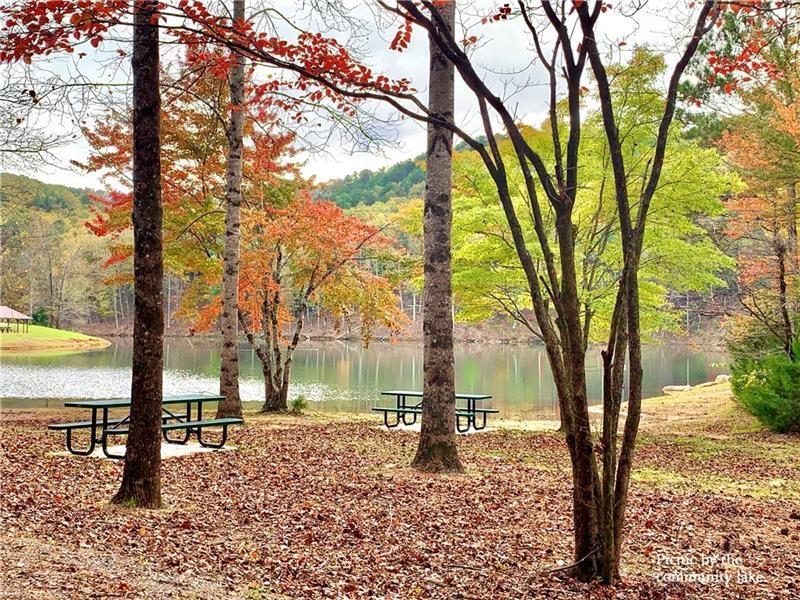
(767, 286)
(229, 355)
(599, 497)
(307, 251)
(679, 254)
(764, 144)
(437, 450)
(193, 137)
(753, 59)
(141, 477)
(764, 219)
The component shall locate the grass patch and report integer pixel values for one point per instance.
(48, 338)
(718, 484)
(709, 411)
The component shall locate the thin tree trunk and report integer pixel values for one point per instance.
(437, 449)
(141, 478)
(783, 299)
(229, 356)
(578, 431)
(793, 217)
(116, 316)
(169, 301)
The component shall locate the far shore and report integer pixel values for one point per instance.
(43, 339)
(709, 340)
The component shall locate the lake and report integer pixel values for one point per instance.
(339, 376)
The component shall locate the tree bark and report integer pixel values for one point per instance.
(272, 393)
(141, 478)
(792, 217)
(783, 300)
(437, 451)
(229, 355)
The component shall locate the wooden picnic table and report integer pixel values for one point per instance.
(102, 425)
(402, 410)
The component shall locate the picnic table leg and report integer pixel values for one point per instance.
(92, 441)
(484, 421)
(402, 404)
(104, 437)
(460, 429)
(198, 431)
(386, 419)
(211, 444)
(471, 402)
(483, 424)
(187, 433)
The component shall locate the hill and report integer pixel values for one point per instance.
(401, 180)
(26, 193)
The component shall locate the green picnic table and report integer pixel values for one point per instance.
(403, 410)
(102, 425)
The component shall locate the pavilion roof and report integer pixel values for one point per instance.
(10, 313)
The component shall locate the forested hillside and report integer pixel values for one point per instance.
(18, 191)
(405, 179)
(50, 264)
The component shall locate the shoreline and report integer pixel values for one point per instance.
(716, 346)
(45, 339)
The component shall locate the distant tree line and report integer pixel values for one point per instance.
(405, 179)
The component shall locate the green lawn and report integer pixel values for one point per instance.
(47, 338)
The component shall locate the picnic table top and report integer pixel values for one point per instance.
(125, 402)
(418, 394)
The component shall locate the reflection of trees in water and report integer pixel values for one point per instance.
(339, 376)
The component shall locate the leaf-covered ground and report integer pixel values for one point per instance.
(325, 507)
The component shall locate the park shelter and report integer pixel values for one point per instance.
(9, 316)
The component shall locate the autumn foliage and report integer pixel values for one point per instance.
(193, 172)
(763, 144)
(312, 68)
(307, 253)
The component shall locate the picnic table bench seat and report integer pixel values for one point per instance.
(103, 426)
(88, 424)
(187, 426)
(470, 412)
(224, 423)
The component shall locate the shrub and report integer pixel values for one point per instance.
(299, 404)
(769, 389)
(40, 317)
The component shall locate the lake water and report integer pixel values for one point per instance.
(338, 376)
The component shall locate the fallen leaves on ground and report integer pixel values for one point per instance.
(319, 508)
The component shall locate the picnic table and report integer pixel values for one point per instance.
(403, 410)
(102, 425)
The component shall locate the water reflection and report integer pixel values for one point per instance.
(338, 376)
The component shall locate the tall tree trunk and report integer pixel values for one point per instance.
(437, 449)
(578, 429)
(141, 478)
(272, 393)
(793, 217)
(229, 356)
(783, 299)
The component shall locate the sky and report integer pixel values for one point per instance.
(504, 56)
